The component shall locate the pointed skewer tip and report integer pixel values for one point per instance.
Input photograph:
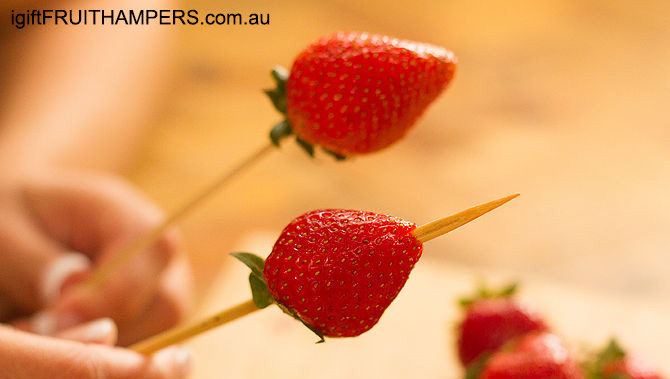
(445, 225)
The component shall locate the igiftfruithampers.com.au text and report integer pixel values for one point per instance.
(133, 17)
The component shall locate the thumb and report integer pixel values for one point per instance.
(25, 355)
(60, 272)
(33, 267)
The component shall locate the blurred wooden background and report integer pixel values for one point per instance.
(562, 101)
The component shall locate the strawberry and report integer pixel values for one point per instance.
(491, 320)
(356, 93)
(614, 363)
(537, 355)
(336, 270)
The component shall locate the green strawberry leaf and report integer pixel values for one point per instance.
(293, 314)
(305, 146)
(484, 292)
(253, 261)
(278, 94)
(611, 353)
(318, 334)
(281, 130)
(259, 292)
(477, 367)
(334, 154)
(259, 288)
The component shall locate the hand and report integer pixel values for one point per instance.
(24, 355)
(56, 225)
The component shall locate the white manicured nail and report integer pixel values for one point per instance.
(176, 359)
(101, 331)
(58, 272)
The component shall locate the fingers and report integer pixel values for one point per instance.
(105, 215)
(128, 291)
(24, 355)
(124, 297)
(32, 266)
(170, 305)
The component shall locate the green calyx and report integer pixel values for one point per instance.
(259, 287)
(611, 353)
(484, 292)
(476, 368)
(260, 291)
(278, 94)
(283, 128)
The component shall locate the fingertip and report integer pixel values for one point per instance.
(176, 360)
(169, 244)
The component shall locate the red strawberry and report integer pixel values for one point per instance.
(537, 355)
(338, 270)
(356, 93)
(493, 319)
(630, 368)
(614, 363)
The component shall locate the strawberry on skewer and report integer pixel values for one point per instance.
(336, 271)
(349, 92)
(356, 93)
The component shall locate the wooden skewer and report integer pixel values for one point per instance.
(98, 277)
(424, 233)
(445, 225)
(176, 335)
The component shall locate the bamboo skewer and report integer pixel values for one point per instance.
(176, 335)
(445, 225)
(423, 234)
(98, 277)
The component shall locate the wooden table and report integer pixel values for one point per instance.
(563, 101)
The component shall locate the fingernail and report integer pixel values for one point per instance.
(176, 359)
(58, 272)
(48, 322)
(99, 330)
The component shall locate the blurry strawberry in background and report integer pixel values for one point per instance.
(613, 362)
(493, 318)
(538, 355)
